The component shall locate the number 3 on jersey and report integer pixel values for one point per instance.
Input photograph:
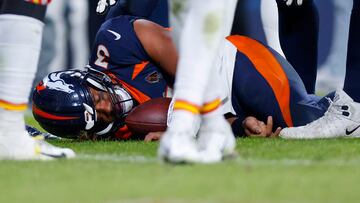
(102, 56)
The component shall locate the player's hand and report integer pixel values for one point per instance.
(103, 5)
(296, 2)
(255, 128)
(153, 136)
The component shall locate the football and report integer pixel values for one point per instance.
(150, 116)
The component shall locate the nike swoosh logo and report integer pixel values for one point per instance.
(349, 132)
(117, 35)
(62, 155)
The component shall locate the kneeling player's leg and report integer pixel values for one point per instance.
(352, 85)
(298, 30)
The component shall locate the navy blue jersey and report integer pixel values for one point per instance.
(118, 51)
(265, 84)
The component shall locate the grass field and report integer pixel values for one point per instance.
(267, 170)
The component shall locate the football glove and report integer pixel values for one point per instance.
(103, 5)
(296, 2)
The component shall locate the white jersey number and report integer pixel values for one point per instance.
(102, 57)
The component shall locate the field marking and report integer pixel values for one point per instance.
(117, 158)
(239, 160)
(299, 162)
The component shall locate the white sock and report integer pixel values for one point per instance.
(12, 122)
(20, 42)
(211, 112)
(206, 25)
(185, 122)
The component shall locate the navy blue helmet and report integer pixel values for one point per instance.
(63, 105)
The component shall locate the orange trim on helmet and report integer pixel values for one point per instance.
(186, 106)
(269, 67)
(12, 107)
(138, 68)
(40, 86)
(44, 114)
(210, 106)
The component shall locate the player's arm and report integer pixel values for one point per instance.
(158, 44)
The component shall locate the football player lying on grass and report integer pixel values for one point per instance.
(133, 61)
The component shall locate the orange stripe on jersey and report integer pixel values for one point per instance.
(268, 66)
(135, 93)
(43, 114)
(210, 106)
(138, 68)
(12, 107)
(123, 133)
(186, 106)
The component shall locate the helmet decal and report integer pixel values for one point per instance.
(54, 82)
(89, 109)
(88, 116)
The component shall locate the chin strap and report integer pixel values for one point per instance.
(106, 130)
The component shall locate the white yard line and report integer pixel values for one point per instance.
(239, 160)
(117, 158)
(299, 162)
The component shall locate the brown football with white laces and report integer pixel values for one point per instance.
(150, 116)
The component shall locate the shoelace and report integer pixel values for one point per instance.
(333, 113)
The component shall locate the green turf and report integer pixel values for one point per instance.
(267, 170)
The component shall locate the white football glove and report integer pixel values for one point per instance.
(103, 5)
(298, 2)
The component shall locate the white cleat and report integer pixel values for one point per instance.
(342, 119)
(178, 147)
(216, 144)
(21, 146)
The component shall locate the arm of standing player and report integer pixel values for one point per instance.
(158, 44)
